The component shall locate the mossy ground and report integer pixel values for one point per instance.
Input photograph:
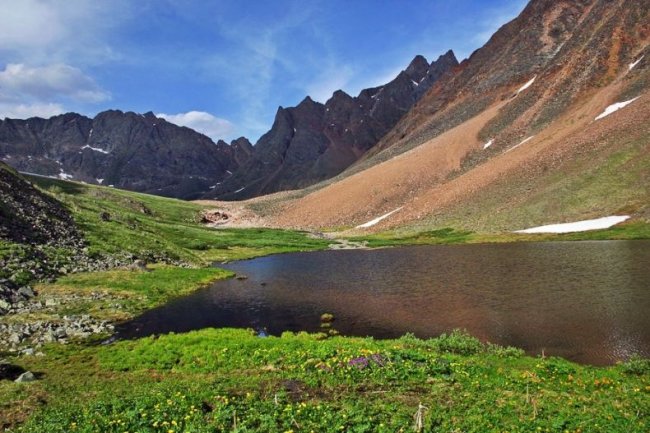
(231, 380)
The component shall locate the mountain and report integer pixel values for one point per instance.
(517, 137)
(126, 150)
(314, 141)
(140, 152)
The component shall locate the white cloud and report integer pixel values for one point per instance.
(49, 82)
(202, 122)
(29, 23)
(50, 31)
(25, 111)
(256, 61)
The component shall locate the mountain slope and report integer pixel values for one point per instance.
(314, 141)
(532, 92)
(127, 150)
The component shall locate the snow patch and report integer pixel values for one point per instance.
(514, 147)
(415, 83)
(615, 107)
(578, 226)
(96, 149)
(376, 220)
(488, 144)
(633, 64)
(99, 181)
(527, 85)
(239, 190)
(65, 176)
(90, 134)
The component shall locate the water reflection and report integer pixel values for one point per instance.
(587, 301)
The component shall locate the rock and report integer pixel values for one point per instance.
(10, 371)
(214, 217)
(139, 265)
(326, 318)
(164, 158)
(51, 303)
(4, 305)
(27, 376)
(15, 338)
(26, 292)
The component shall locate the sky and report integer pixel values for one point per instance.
(221, 67)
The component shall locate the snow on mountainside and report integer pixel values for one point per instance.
(509, 141)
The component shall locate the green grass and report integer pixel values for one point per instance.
(157, 227)
(230, 380)
(627, 231)
(130, 291)
(609, 180)
(440, 236)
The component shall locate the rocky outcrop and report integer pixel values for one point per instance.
(313, 141)
(126, 150)
(29, 216)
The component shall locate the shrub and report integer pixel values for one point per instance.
(459, 342)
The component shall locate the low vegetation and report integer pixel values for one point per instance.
(627, 231)
(231, 380)
(118, 221)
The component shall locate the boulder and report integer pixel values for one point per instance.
(27, 376)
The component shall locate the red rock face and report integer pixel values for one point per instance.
(537, 87)
(570, 47)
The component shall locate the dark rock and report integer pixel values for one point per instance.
(10, 371)
(313, 141)
(131, 151)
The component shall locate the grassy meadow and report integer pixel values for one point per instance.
(227, 380)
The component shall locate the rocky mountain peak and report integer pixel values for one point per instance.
(312, 142)
(417, 68)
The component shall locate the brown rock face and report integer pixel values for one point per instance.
(569, 47)
(512, 140)
(313, 141)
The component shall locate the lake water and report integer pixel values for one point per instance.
(585, 301)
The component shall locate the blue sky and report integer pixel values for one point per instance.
(222, 67)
